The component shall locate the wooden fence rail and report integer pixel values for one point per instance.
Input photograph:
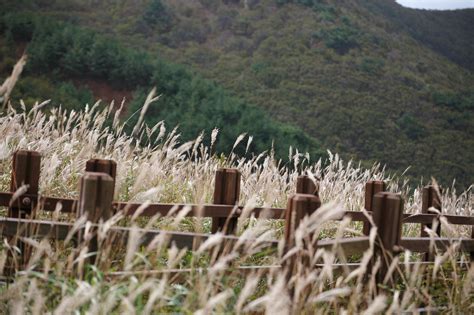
(96, 203)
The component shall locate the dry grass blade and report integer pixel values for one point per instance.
(7, 87)
(168, 171)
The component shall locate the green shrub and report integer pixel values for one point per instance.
(410, 126)
(157, 14)
(340, 38)
(456, 101)
(371, 65)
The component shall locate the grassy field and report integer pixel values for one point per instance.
(159, 168)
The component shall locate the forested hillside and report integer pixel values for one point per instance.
(368, 79)
(64, 61)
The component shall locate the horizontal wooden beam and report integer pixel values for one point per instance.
(222, 211)
(356, 245)
(5, 199)
(402, 265)
(60, 230)
(350, 246)
(130, 208)
(356, 216)
(205, 210)
(34, 228)
(174, 272)
(426, 218)
(421, 244)
(45, 203)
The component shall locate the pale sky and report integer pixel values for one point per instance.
(437, 4)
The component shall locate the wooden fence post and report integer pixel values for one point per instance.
(472, 236)
(430, 198)
(26, 166)
(226, 192)
(102, 166)
(95, 201)
(25, 171)
(299, 206)
(387, 214)
(371, 189)
(304, 185)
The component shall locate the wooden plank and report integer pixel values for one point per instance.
(12, 226)
(182, 275)
(401, 265)
(428, 218)
(186, 271)
(130, 208)
(223, 211)
(226, 192)
(356, 216)
(44, 203)
(179, 239)
(206, 210)
(68, 205)
(350, 246)
(34, 228)
(421, 245)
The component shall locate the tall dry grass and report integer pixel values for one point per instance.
(132, 278)
(7, 86)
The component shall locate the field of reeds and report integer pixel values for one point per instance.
(155, 166)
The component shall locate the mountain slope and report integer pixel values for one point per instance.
(447, 32)
(63, 57)
(366, 78)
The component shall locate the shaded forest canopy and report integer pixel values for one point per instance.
(368, 79)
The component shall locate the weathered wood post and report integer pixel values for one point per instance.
(26, 166)
(226, 192)
(95, 202)
(472, 236)
(430, 199)
(299, 206)
(304, 185)
(371, 189)
(102, 166)
(25, 171)
(387, 214)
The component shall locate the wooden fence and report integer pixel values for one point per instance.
(96, 203)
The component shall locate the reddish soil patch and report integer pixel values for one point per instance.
(105, 92)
